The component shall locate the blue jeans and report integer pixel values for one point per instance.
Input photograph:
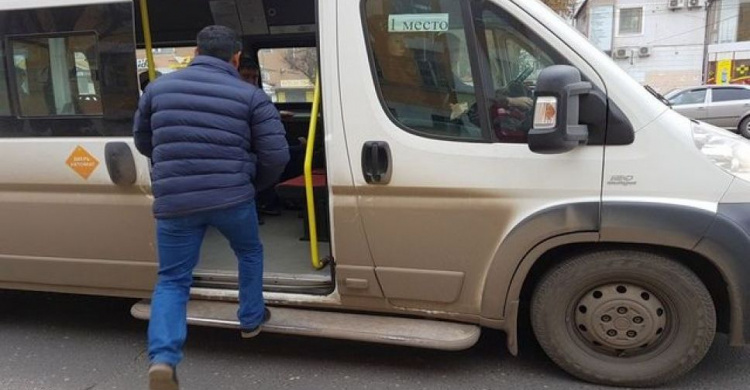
(179, 241)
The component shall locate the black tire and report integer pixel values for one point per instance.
(666, 303)
(745, 127)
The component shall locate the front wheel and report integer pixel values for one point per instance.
(745, 127)
(623, 318)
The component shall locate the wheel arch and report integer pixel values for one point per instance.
(712, 243)
(704, 268)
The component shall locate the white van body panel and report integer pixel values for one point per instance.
(664, 165)
(47, 165)
(437, 186)
(739, 192)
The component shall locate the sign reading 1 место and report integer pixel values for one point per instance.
(418, 22)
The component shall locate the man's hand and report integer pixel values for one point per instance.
(524, 103)
(457, 110)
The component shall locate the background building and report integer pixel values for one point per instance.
(658, 42)
(728, 42)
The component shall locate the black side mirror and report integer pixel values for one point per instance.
(557, 128)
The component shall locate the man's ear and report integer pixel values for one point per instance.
(236, 59)
(197, 53)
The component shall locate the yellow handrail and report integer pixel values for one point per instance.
(147, 38)
(311, 218)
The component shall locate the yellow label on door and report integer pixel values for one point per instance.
(724, 72)
(82, 162)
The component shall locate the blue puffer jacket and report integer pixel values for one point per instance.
(213, 139)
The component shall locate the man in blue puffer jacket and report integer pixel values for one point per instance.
(214, 141)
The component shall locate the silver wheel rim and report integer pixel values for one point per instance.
(621, 319)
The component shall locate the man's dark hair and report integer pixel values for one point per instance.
(219, 41)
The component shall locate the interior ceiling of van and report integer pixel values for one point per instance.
(178, 21)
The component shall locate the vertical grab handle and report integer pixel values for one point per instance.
(146, 23)
(317, 263)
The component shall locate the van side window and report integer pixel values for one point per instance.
(288, 74)
(56, 75)
(421, 60)
(516, 56)
(70, 71)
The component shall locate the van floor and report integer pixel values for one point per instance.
(285, 254)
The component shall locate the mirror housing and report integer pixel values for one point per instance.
(558, 92)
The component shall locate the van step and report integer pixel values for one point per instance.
(419, 333)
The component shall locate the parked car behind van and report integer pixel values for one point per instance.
(723, 106)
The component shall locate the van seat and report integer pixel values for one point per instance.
(293, 191)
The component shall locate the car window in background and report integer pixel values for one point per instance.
(697, 96)
(730, 94)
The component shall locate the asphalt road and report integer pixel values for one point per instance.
(60, 342)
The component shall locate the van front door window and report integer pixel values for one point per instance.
(516, 56)
(420, 54)
(425, 74)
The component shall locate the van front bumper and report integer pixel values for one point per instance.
(727, 245)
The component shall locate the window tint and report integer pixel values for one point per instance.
(697, 96)
(516, 56)
(288, 74)
(75, 77)
(730, 94)
(56, 76)
(422, 66)
(4, 98)
(166, 59)
(631, 21)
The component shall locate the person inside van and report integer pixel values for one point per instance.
(458, 53)
(510, 115)
(267, 202)
(144, 80)
(250, 71)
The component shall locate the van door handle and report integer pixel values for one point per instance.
(120, 163)
(376, 162)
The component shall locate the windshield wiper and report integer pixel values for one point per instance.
(658, 96)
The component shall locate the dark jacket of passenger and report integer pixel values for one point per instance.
(214, 140)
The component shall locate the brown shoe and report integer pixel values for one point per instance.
(162, 377)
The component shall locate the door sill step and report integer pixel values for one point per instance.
(272, 282)
(420, 333)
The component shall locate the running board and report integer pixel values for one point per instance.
(380, 329)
